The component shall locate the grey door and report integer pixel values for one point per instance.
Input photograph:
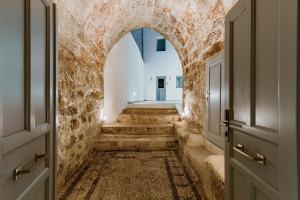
(26, 99)
(160, 88)
(252, 46)
(214, 85)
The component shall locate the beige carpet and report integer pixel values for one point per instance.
(151, 175)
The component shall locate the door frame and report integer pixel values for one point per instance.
(289, 100)
(55, 98)
(165, 87)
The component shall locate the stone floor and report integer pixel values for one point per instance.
(132, 175)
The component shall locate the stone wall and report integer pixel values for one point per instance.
(80, 99)
(89, 29)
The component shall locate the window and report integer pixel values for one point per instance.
(161, 44)
(179, 82)
(161, 83)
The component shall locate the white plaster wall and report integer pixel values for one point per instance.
(160, 63)
(123, 77)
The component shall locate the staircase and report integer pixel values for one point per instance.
(140, 129)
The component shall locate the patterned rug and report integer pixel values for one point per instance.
(154, 175)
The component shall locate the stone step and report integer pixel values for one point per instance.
(147, 118)
(148, 104)
(112, 142)
(140, 128)
(150, 111)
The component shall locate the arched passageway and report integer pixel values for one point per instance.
(134, 67)
(87, 32)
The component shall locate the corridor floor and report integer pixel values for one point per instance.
(153, 175)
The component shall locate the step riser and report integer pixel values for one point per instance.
(150, 111)
(147, 119)
(135, 145)
(139, 130)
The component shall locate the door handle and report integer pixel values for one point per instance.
(29, 167)
(258, 158)
(236, 124)
(224, 123)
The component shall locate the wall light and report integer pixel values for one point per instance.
(101, 117)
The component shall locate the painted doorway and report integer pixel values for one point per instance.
(161, 88)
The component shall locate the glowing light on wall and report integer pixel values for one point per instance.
(101, 117)
(188, 101)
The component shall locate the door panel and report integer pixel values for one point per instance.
(38, 192)
(266, 104)
(214, 85)
(259, 195)
(252, 98)
(13, 94)
(252, 145)
(26, 99)
(22, 156)
(39, 45)
(240, 27)
(214, 99)
(240, 189)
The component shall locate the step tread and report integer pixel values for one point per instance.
(142, 108)
(153, 105)
(150, 114)
(112, 142)
(136, 136)
(134, 125)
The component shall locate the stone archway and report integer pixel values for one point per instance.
(89, 29)
(130, 73)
